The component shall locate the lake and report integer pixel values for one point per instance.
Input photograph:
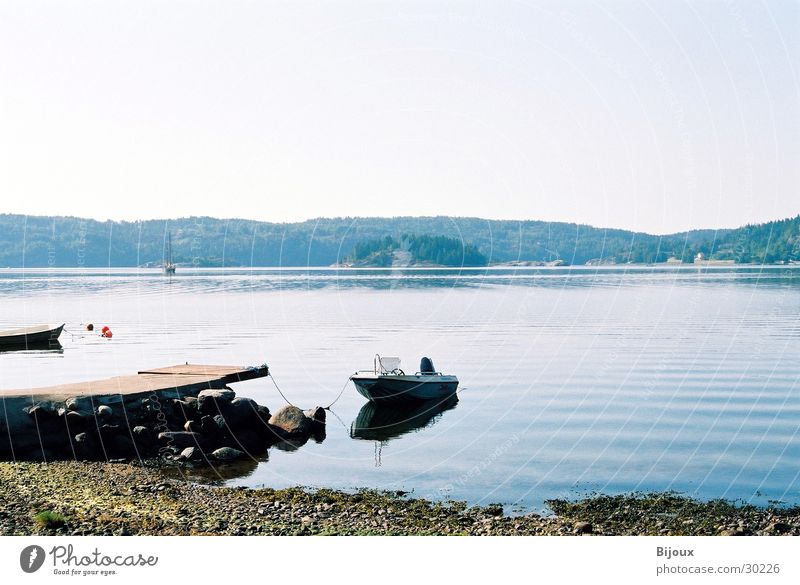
(573, 380)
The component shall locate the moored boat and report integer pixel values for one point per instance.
(387, 382)
(34, 336)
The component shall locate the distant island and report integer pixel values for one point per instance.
(413, 250)
(71, 242)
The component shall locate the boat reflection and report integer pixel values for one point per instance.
(43, 347)
(382, 423)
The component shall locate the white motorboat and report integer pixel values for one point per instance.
(387, 382)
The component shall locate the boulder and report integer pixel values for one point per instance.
(179, 439)
(75, 420)
(240, 412)
(104, 412)
(85, 446)
(583, 528)
(263, 413)
(212, 426)
(293, 421)
(192, 426)
(228, 454)
(82, 404)
(143, 436)
(108, 432)
(213, 401)
(191, 454)
(42, 413)
(317, 414)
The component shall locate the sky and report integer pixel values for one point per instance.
(647, 115)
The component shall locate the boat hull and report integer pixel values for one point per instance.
(30, 336)
(385, 389)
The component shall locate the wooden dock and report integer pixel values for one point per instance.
(182, 379)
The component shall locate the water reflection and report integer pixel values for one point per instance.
(44, 347)
(382, 423)
(143, 282)
(216, 473)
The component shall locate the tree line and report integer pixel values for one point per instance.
(54, 241)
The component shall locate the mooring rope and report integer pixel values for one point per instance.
(339, 396)
(271, 377)
(290, 403)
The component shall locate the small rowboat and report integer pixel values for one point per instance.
(35, 336)
(386, 382)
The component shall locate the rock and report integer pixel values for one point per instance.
(143, 435)
(108, 432)
(317, 414)
(75, 420)
(293, 421)
(191, 454)
(104, 411)
(219, 423)
(240, 411)
(583, 528)
(213, 426)
(192, 426)
(42, 413)
(85, 446)
(263, 413)
(82, 404)
(212, 401)
(179, 439)
(189, 404)
(228, 454)
(779, 528)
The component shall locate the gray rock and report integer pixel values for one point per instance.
(42, 412)
(212, 401)
(264, 413)
(188, 406)
(583, 528)
(107, 432)
(85, 446)
(293, 421)
(104, 411)
(228, 454)
(192, 426)
(213, 427)
(317, 414)
(179, 439)
(143, 435)
(82, 404)
(191, 454)
(241, 411)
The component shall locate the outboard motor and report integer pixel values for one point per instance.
(426, 366)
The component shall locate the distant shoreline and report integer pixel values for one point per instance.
(503, 266)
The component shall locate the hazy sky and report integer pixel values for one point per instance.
(650, 115)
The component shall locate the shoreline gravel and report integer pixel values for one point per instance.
(90, 498)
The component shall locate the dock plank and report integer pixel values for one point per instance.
(179, 378)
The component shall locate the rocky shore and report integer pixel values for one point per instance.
(97, 498)
(189, 425)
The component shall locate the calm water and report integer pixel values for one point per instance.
(573, 381)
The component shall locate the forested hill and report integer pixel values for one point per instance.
(202, 241)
